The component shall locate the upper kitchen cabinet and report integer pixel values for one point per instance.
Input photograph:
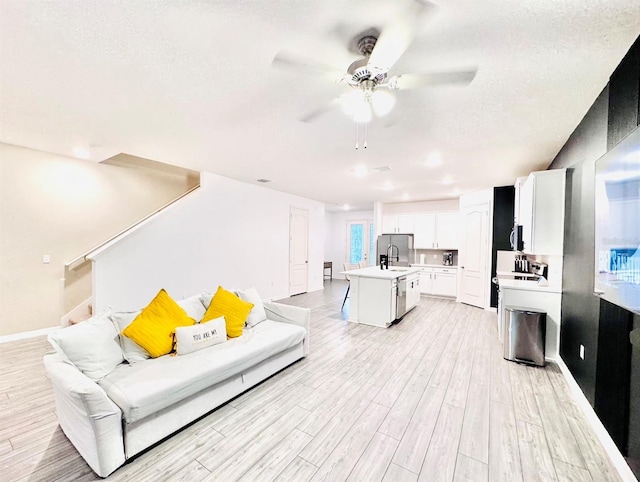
(436, 230)
(541, 212)
(398, 223)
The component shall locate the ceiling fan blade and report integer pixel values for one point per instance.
(396, 38)
(414, 81)
(313, 115)
(288, 61)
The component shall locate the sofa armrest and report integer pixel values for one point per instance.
(88, 417)
(290, 314)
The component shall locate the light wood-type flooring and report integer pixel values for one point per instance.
(429, 399)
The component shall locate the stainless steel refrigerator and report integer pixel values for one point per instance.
(399, 248)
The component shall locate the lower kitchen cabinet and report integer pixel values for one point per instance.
(439, 282)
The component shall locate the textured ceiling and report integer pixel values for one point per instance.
(191, 84)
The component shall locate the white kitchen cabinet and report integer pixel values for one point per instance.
(398, 223)
(413, 290)
(439, 281)
(445, 283)
(436, 230)
(541, 212)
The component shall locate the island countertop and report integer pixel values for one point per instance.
(388, 274)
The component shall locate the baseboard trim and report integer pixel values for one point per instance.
(605, 439)
(28, 334)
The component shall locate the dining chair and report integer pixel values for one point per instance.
(348, 267)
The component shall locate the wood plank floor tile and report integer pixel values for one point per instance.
(299, 470)
(440, 461)
(560, 438)
(504, 455)
(474, 441)
(325, 441)
(470, 470)
(537, 465)
(415, 442)
(279, 458)
(395, 473)
(524, 400)
(344, 457)
(570, 473)
(231, 465)
(374, 461)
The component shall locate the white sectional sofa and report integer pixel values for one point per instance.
(136, 405)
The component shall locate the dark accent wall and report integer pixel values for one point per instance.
(580, 308)
(503, 216)
(609, 375)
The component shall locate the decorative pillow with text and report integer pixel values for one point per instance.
(202, 335)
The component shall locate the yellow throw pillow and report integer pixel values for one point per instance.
(234, 310)
(153, 328)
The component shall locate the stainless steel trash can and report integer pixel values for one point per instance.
(524, 335)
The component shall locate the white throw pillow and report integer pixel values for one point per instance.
(132, 352)
(203, 335)
(91, 346)
(193, 306)
(257, 313)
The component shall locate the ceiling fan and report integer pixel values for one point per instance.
(368, 76)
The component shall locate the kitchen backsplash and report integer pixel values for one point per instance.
(434, 256)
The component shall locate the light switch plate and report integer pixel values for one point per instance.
(582, 352)
(46, 259)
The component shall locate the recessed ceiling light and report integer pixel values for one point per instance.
(405, 196)
(263, 180)
(434, 160)
(446, 180)
(361, 170)
(81, 152)
(346, 207)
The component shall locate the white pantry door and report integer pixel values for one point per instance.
(475, 254)
(298, 250)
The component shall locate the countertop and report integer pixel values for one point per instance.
(528, 285)
(376, 272)
(417, 265)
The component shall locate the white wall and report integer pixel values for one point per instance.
(421, 207)
(227, 233)
(335, 246)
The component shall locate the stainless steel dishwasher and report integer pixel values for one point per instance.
(401, 298)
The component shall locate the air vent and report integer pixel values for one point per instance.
(381, 169)
(263, 180)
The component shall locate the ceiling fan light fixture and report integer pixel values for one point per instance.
(382, 103)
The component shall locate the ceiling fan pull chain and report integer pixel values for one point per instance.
(356, 136)
(365, 136)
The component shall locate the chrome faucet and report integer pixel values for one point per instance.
(390, 253)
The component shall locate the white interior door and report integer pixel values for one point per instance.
(360, 242)
(298, 251)
(474, 255)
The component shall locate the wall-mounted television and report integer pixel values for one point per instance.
(617, 224)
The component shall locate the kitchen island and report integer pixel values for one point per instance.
(378, 297)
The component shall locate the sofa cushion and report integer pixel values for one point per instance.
(257, 313)
(145, 388)
(132, 352)
(193, 307)
(200, 336)
(235, 311)
(91, 346)
(153, 328)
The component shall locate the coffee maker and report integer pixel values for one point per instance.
(447, 258)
